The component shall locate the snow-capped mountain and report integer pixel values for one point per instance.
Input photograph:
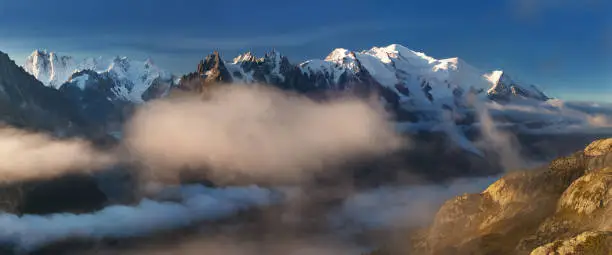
(49, 68)
(130, 79)
(105, 90)
(27, 103)
(405, 78)
(424, 93)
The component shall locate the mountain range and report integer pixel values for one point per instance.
(413, 78)
(423, 93)
(404, 77)
(104, 90)
(130, 79)
(433, 101)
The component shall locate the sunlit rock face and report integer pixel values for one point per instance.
(588, 243)
(562, 208)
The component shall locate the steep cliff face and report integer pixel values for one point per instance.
(50, 68)
(563, 207)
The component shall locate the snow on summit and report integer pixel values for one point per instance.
(131, 78)
(49, 68)
(395, 67)
(399, 68)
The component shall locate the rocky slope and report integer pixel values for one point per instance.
(561, 208)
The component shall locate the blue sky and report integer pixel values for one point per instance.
(564, 46)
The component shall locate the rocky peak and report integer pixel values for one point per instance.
(245, 57)
(40, 53)
(273, 61)
(212, 61)
(149, 62)
(343, 57)
(505, 88)
(211, 70)
(39, 57)
(26, 102)
(121, 64)
(81, 78)
(272, 56)
(49, 67)
(337, 55)
(59, 59)
(451, 64)
(285, 65)
(599, 148)
(201, 67)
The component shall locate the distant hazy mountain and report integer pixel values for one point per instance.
(104, 90)
(125, 79)
(26, 102)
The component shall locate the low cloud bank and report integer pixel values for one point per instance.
(600, 120)
(241, 131)
(197, 203)
(403, 206)
(26, 155)
(257, 132)
(385, 208)
(328, 245)
(556, 116)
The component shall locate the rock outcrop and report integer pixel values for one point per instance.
(587, 243)
(210, 72)
(562, 208)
